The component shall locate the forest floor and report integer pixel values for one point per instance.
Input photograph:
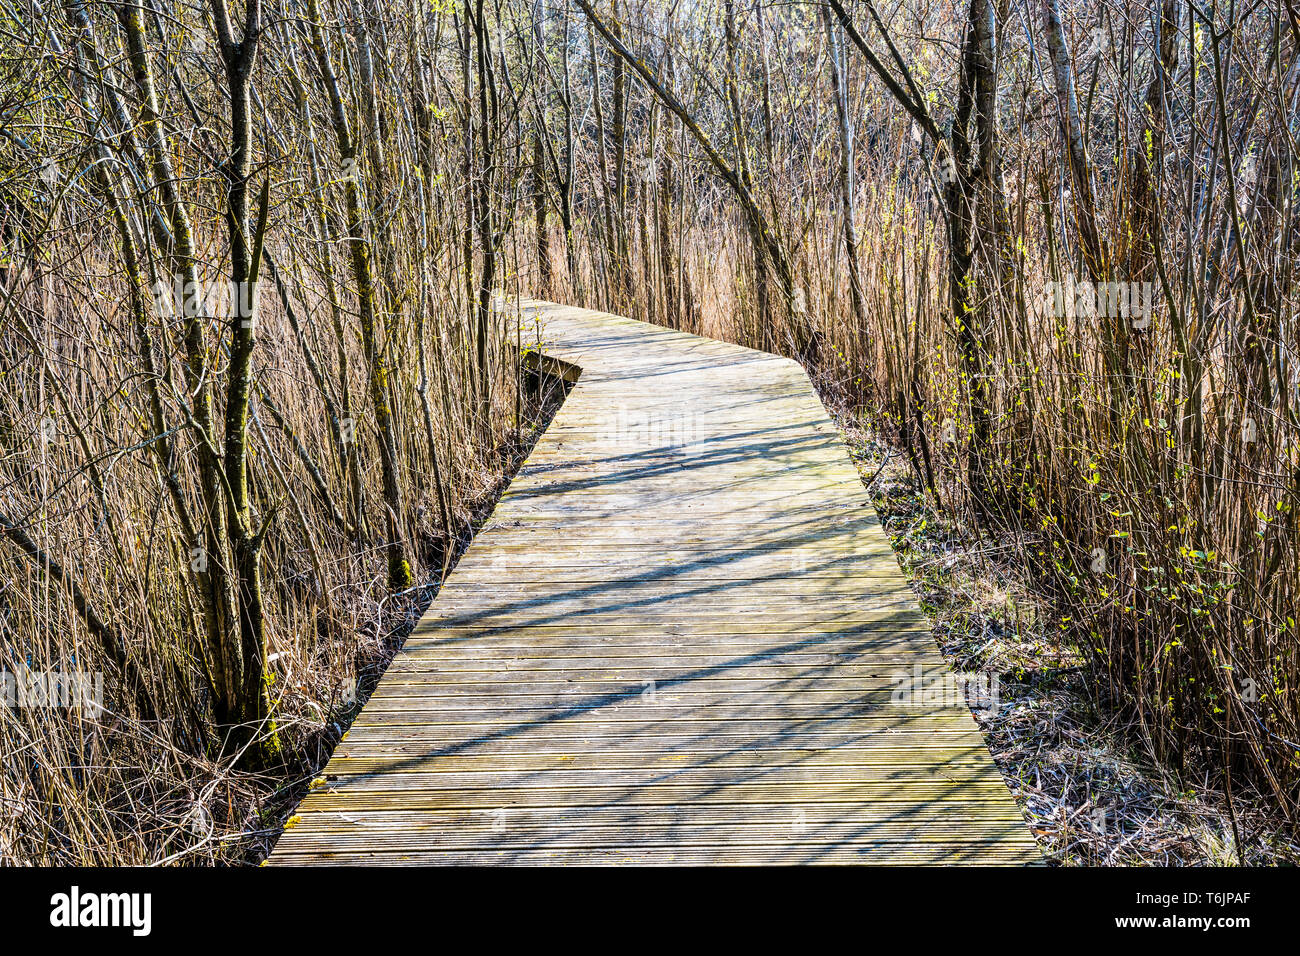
(1090, 791)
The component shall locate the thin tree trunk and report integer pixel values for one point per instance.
(238, 56)
(839, 88)
(399, 568)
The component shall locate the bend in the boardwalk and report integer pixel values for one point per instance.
(678, 639)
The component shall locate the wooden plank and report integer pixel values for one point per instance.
(680, 638)
(379, 744)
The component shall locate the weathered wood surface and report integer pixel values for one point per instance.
(677, 640)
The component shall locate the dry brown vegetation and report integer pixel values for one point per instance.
(211, 501)
(1084, 777)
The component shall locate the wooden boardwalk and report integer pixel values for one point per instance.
(677, 640)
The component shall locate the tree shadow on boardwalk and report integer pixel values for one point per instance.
(763, 633)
